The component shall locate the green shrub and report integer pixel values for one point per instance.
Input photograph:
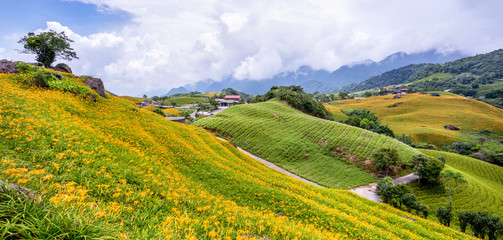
(428, 169)
(405, 139)
(422, 208)
(364, 118)
(159, 111)
(464, 218)
(69, 86)
(444, 215)
(410, 201)
(40, 79)
(385, 160)
(385, 189)
(26, 68)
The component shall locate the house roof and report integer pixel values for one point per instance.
(233, 96)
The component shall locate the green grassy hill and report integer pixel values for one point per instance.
(105, 169)
(307, 146)
(484, 191)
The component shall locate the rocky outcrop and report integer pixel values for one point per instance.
(451, 127)
(63, 68)
(8, 66)
(97, 85)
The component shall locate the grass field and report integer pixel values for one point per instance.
(484, 191)
(108, 170)
(424, 117)
(302, 144)
(186, 100)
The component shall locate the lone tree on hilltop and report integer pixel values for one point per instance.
(47, 46)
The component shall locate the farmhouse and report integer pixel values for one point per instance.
(233, 97)
(229, 100)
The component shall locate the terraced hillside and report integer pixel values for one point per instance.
(307, 146)
(424, 117)
(107, 169)
(484, 191)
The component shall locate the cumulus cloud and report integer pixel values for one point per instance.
(171, 43)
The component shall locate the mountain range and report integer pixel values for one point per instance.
(323, 81)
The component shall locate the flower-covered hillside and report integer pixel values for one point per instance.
(106, 169)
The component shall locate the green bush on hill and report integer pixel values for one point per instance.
(297, 98)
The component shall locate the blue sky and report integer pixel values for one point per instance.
(24, 16)
(137, 46)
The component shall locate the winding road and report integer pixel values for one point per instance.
(368, 191)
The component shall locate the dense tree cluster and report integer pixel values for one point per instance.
(364, 118)
(400, 196)
(481, 223)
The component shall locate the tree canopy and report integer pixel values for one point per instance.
(48, 46)
(297, 98)
(452, 179)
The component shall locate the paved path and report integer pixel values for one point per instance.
(274, 166)
(193, 115)
(370, 192)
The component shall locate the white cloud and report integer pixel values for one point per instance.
(171, 43)
(260, 66)
(234, 21)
